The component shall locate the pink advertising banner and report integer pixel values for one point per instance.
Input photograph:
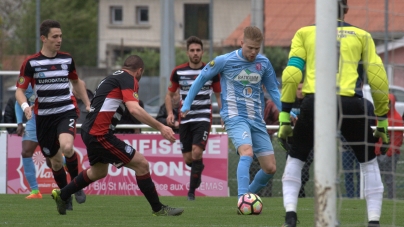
(168, 170)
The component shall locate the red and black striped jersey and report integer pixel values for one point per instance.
(182, 77)
(108, 104)
(49, 78)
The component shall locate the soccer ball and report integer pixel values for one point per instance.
(249, 203)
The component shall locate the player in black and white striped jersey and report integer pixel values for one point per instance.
(49, 72)
(195, 127)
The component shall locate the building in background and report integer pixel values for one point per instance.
(127, 25)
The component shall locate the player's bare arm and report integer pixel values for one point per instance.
(139, 113)
(22, 101)
(219, 104)
(169, 108)
(80, 89)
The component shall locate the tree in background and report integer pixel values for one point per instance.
(78, 20)
(9, 15)
(278, 57)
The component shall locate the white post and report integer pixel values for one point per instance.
(257, 18)
(325, 128)
(167, 48)
(3, 162)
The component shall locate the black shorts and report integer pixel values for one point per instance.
(49, 128)
(354, 126)
(194, 133)
(107, 149)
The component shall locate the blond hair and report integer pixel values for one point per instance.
(253, 33)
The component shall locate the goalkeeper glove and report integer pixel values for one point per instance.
(285, 130)
(381, 132)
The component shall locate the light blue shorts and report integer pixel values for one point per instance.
(30, 131)
(245, 131)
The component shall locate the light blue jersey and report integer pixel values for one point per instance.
(242, 110)
(241, 82)
(30, 127)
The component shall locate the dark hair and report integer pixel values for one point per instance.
(194, 39)
(133, 62)
(46, 26)
(342, 8)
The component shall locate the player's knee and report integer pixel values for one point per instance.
(25, 153)
(67, 150)
(141, 166)
(197, 153)
(187, 158)
(56, 165)
(101, 174)
(270, 169)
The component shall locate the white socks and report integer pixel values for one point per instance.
(373, 188)
(291, 182)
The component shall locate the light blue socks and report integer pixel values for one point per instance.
(30, 173)
(243, 174)
(261, 179)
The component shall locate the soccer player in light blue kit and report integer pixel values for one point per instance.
(243, 72)
(29, 143)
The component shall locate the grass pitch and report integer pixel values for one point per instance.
(204, 211)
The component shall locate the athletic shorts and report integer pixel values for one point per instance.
(30, 131)
(243, 131)
(107, 149)
(194, 133)
(50, 127)
(353, 123)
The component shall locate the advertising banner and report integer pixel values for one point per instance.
(168, 170)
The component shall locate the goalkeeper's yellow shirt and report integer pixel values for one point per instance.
(357, 54)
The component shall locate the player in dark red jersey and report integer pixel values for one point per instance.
(50, 73)
(114, 94)
(195, 127)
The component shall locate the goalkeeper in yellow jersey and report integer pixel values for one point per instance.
(357, 55)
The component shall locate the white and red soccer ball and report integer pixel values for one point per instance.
(249, 203)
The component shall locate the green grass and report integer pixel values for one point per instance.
(204, 211)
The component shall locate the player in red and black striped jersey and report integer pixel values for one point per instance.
(50, 73)
(113, 95)
(195, 127)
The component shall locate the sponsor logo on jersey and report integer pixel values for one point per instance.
(212, 63)
(21, 80)
(236, 67)
(53, 80)
(53, 67)
(118, 72)
(247, 77)
(183, 82)
(247, 91)
(40, 69)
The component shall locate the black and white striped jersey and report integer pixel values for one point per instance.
(182, 77)
(50, 80)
